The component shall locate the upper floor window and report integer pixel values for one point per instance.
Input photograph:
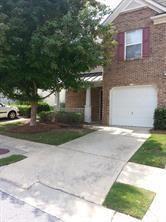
(133, 44)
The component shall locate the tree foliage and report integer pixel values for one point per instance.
(46, 44)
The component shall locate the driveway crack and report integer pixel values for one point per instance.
(92, 154)
(68, 193)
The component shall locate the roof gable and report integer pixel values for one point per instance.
(130, 5)
(161, 2)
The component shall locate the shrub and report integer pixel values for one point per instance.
(46, 116)
(25, 110)
(70, 118)
(160, 119)
(43, 106)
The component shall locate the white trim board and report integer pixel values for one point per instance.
(159, 19)
(130, 5)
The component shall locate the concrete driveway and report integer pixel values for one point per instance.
(59, 180)
(14, 210)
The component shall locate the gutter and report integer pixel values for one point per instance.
(159, 19)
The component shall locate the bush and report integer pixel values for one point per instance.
(46, 116)
(43, 106)
(70, 118)
(25, 110)
(160, 119)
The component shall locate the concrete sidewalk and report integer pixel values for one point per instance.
(14, 210)
(149, 178)
(71, 181)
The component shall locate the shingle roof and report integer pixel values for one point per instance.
(161, 2)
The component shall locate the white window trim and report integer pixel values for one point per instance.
(133, 44)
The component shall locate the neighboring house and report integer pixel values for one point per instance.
(57, 99)
(127, 92)
(5, 100)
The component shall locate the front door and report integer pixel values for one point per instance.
(101, 105)
(96, 101)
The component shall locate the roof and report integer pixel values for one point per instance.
(93, 77)
(161, 2)
(128, 5)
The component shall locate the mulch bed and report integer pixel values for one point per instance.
(41, 127)
(4, 151)
(158, 131)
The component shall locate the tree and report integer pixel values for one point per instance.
(46, 44)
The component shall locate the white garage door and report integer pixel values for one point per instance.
(133, 106)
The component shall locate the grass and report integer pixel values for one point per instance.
(11, 159)
(5, 125)
(129, 200)
(152, 152)
(53, 137)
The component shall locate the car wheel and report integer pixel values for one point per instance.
(12, 115)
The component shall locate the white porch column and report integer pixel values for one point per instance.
(88, 109)
(57, 101)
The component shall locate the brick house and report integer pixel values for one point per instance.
(127, 92)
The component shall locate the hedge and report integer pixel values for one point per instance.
(43, 106)
(71, 118)
(46, 116)
(160, 119)
(25, 110)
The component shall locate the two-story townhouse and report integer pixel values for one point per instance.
(127, 92)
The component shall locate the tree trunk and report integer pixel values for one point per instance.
(33, 113)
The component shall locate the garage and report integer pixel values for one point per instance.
(133, 106)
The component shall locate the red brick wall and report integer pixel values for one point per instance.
(146, 71)
(77, 100)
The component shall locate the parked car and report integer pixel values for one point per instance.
(8, 111)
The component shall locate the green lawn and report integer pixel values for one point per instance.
(152, 152)
(129, 200)
(11, 159)
(53, 137)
